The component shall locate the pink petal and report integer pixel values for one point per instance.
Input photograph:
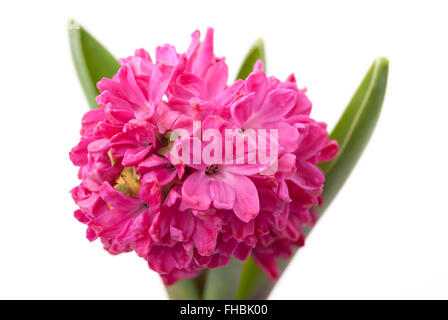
(195, 38)
(288, 136)
(160, 79)
(277, 103)
(206, 233)
(182, 226)
(242, 109)
(329, 152)
(134, 156)
(257, 82)
(241, 230)
(216, 79)
(117, 200)
(196, 192)
(308, 176)
(258, 66)
(167, 55)
(78, 155)
(268, 264)
(242, 252)
(152, 161)
(205, 54)
(165, 260)
(247, 204)
(287, 163)
(222, 194)
(188, 86)
(151, 193)
(90, 120)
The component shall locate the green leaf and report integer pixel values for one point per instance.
(92, 61)
(353, 132)
(254, 54)
(354, 129)
(223, 282)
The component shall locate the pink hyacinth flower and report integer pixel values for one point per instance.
(137, 194)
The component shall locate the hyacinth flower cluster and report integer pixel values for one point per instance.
(194, 173)
(183, 217)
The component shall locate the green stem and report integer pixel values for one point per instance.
(222, 283)
(185, 289)
(250, 282)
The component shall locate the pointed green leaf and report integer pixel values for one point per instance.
(354, 128)
(254, 54)
(352, 132)
(92, 61)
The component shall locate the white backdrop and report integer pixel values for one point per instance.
(385, 236)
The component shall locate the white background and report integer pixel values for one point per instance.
(385, 236)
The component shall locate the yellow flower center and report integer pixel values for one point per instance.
(128, 182)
